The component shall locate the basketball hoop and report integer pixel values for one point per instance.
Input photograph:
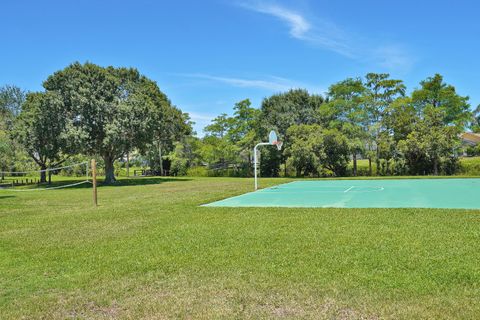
(272, 141)
(278, 144)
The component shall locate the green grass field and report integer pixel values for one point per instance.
(149, 251)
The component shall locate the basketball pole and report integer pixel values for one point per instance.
(272, 140)
(255, 161)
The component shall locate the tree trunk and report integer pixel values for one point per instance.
(250, 165)
(354, 164)
(435, 166)
(43, 174)
(377, 160)
(128, 164)
(370, 166)
(160, 157)
(109, 170)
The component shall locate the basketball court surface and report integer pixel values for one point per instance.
(400, 193)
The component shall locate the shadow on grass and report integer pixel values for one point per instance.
(125, 182)
(70, 184)
(74, 183)
(5, 197)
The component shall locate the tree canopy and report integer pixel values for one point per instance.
(96, 111)
(41, 129)
(110, 112)
(370, 117)
(12, 99)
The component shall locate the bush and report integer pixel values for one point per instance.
(179, 167)
(230, 172)
(197, 172)
(473, 151)
(449, 166)
(400, 167)
(469, 166)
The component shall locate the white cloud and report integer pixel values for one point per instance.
(270, 83)
(393, 57)
(299, 26)
(325, 34)
(322, 32)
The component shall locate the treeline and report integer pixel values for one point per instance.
(115, 114)
(88, 111)
(371, 118)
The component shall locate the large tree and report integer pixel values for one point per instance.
(219, 126)
(381, 92)
(281, 111)
(40, 128)
(346, 112)
(314, 150)
(436, 93)
(305, 149)
(400, 117)
(110, 111)
(173, 126)
(336, 148)
(186, 154)
(11, 101)
(430, 143)
(6, 151)
(229, 139)
(243, 131)
(217, 148)
(244, 120)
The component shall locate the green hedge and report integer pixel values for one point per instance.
(469, 166)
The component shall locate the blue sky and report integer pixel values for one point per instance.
(207, 55)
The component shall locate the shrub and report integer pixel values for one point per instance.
(469, 166)
(197, 172)
(179, 167)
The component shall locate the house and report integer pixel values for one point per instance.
(470, 138)
(470, 141)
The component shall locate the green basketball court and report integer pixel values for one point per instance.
(400, 193)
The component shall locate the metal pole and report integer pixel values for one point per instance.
(128, 164)
(255, 165)
(160, 156)
(255, 161)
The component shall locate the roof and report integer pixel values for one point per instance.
(470, 137)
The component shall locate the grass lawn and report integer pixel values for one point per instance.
(150, 251)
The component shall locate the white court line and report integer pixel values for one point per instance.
(349, 189)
